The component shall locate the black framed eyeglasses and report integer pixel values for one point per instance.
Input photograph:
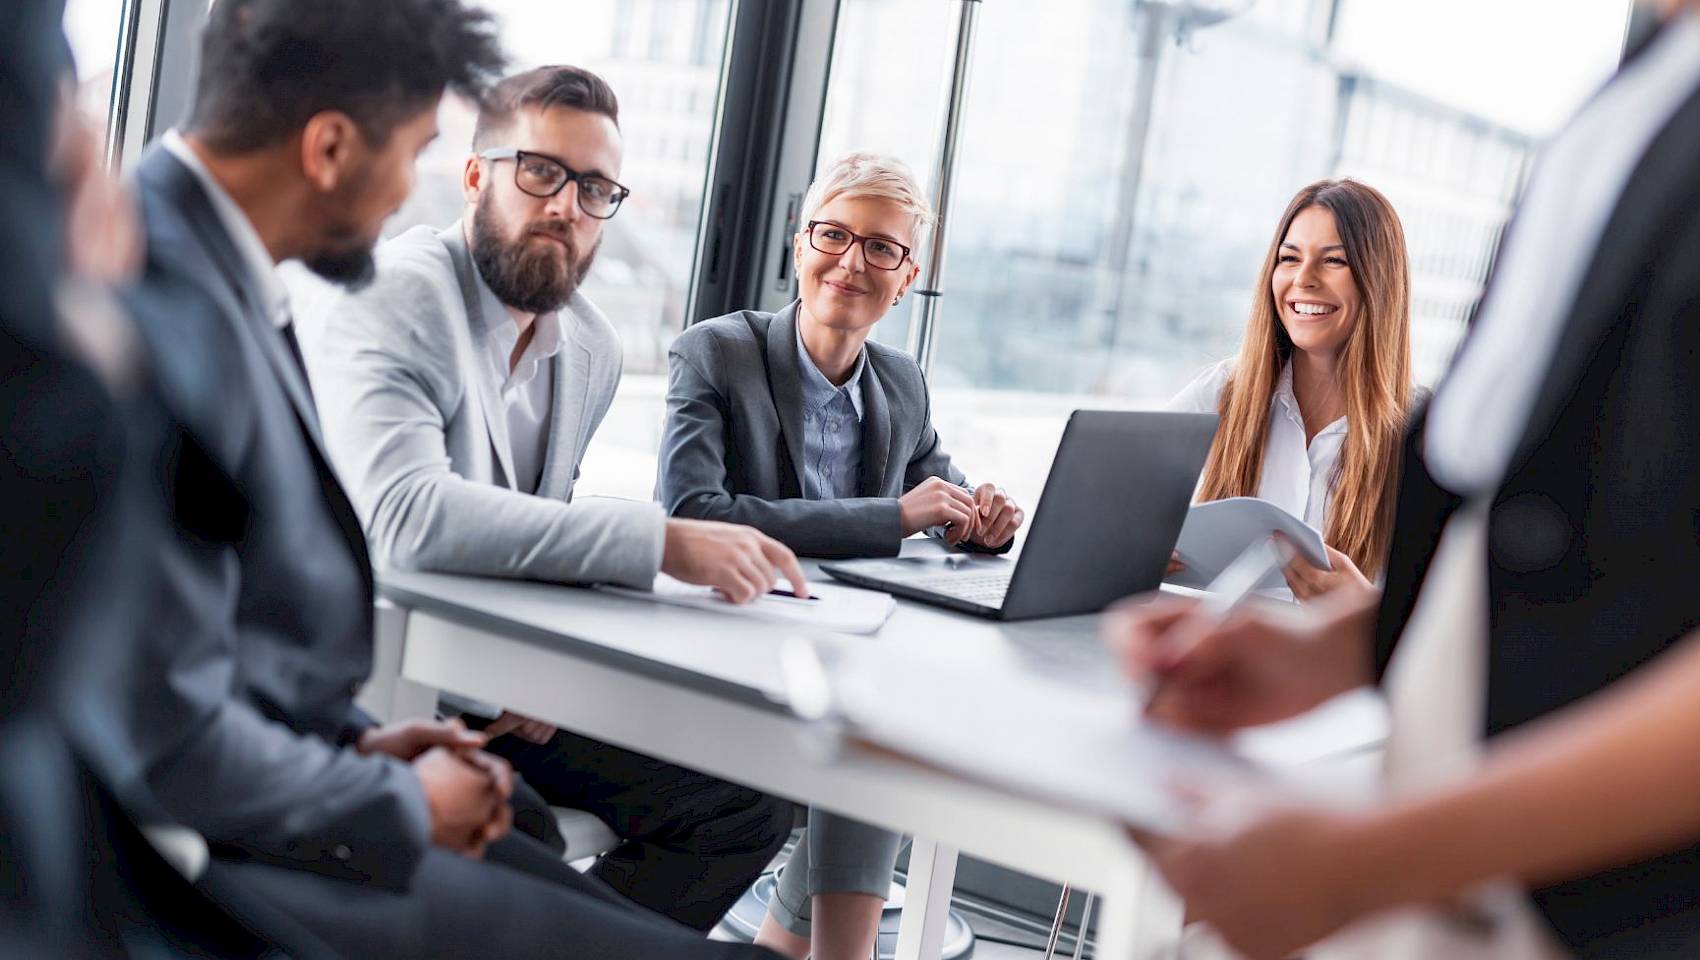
(880, 252)
(542, 176)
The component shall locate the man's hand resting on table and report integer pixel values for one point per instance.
(741, 562)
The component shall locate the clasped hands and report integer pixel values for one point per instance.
(466, 789)
(988, 517)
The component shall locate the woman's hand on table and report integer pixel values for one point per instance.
(997, 516)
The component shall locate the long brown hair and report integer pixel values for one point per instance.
(1374, 370)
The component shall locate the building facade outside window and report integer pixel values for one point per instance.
(93, 28)
(1439, 103)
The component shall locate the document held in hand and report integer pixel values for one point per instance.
(839, 609)
(1218, 531)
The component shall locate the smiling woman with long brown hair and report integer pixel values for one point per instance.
(1314, 405)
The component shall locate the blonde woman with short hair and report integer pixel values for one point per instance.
(797, 424)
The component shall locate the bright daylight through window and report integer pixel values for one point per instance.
(1076, 280)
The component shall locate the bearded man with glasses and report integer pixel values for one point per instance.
(458, 394)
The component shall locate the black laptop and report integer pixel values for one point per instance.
(1117, 495)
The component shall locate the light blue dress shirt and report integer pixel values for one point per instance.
(832, 430)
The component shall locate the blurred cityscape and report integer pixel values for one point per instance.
(1045, 308)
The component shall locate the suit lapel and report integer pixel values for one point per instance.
(1631, 241)
(785, 383)
(571, 368)
(489, 393)
(183, 193)
(188, 198)
(876, 431)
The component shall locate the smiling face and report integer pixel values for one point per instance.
(1316, 295)
(844, 292)
(535, 251)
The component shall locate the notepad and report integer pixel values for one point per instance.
(839, 609)
(1218, 531)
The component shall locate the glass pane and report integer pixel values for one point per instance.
(1076, 280)
(93, 27)
(662, 57)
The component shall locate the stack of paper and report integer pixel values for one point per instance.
(1218, 531)
(840, 609)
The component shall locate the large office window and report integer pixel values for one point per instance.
(1070, 282)
(93, 28)
(662, 57)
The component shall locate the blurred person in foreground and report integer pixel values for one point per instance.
(78, 877)
(1536, 631)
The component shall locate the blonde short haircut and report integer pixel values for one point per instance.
(876, 176)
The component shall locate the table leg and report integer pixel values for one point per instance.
(926, 903)
(387, 694)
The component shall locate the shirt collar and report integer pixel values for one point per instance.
(818, 391)
(502, 331)
(1285, 396)
(249, 246)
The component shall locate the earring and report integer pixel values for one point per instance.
(895, 299)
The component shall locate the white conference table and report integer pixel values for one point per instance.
(707, 691)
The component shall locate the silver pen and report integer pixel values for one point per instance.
(1230, 588)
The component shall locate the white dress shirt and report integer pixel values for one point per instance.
(1297, 477)
(528, 391)
(241, 230)
(1483, 406)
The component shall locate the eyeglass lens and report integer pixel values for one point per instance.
(542, 177)
(833, 240)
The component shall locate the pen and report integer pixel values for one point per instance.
(1230, 588)
(783, 594)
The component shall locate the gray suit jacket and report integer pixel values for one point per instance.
(238, 695)
(733, 446)
(422, 441)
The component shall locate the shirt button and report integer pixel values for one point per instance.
(341, 852)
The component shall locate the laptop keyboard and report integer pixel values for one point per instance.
(987, 589)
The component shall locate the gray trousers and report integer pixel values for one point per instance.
(835, 855)
(521, 901)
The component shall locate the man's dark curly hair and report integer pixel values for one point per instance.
(267, 66)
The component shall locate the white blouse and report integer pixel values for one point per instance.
(1297, 477)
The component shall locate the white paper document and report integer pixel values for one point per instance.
(840, 609)
(1218, 531)
(1082, 746)
(1021, 730)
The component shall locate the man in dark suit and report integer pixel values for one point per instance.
(241, 722)
(77, 876)
(1547, 505)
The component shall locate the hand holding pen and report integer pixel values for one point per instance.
(1217, 664)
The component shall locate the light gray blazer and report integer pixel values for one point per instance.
(733, 446)
(421, 442)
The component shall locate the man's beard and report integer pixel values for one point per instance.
(353, 269)
(345, 254)
(528, 274)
